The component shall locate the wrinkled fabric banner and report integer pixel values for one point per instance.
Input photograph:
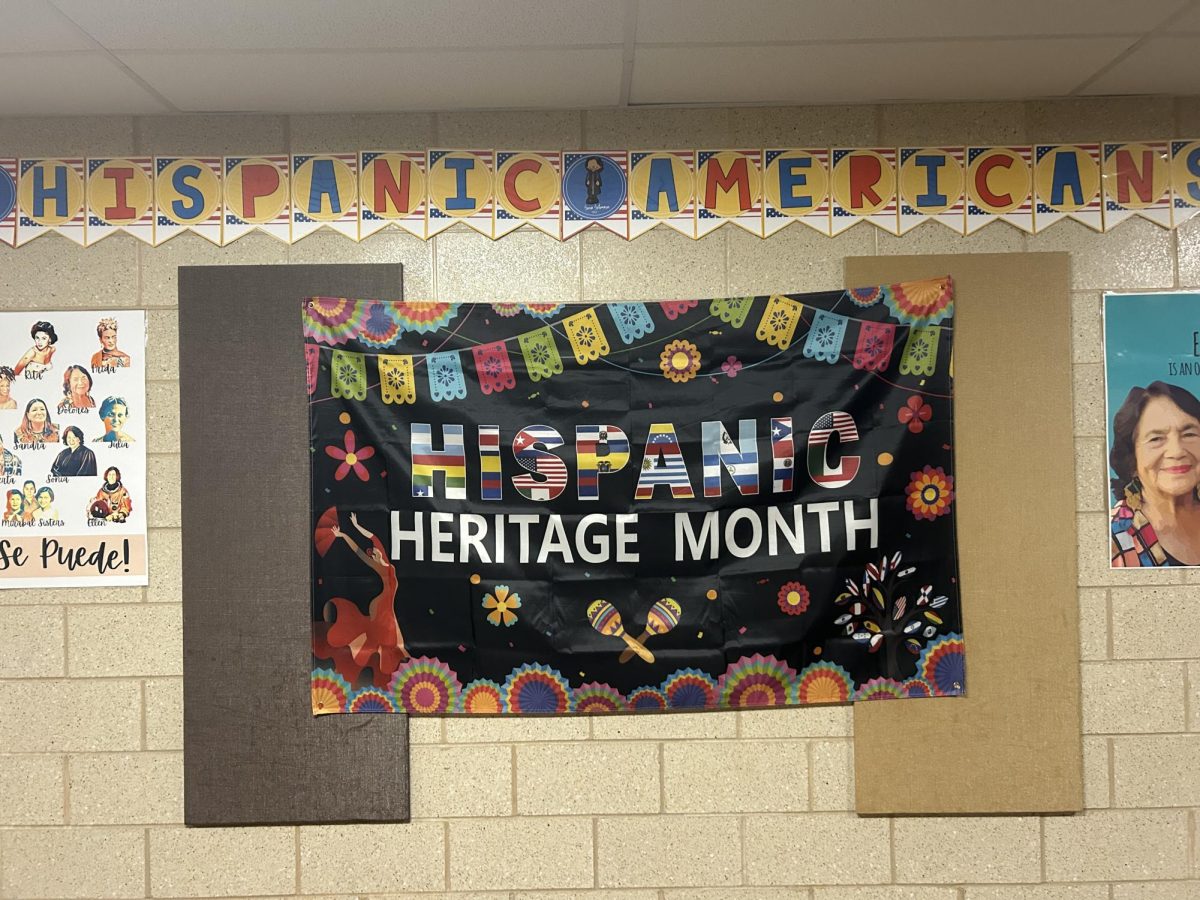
(532, 508)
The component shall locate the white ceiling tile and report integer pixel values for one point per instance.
(342, 81)
(718, 21)
(71, 84)
(1160, 65)
(845, 73)
(30, 26)
(361, 25)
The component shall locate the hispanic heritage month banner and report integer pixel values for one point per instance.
(527, 508)
(358, 193)
(1152, 388)
(73, 448)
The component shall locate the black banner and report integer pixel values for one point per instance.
(544, 508)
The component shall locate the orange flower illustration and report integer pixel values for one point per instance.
(929, 493)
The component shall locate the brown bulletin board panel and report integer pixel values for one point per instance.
(1013, 744)
(253, 752)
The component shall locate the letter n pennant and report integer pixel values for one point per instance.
(349, 375)
(541, 356)
(494, 367)
(397, 383)
(874, 350)
(586, 336)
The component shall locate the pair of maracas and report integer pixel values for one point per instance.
(662, 617)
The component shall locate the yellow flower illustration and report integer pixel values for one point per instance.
(680, 361)
(501, 605)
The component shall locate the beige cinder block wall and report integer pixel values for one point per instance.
(723, 806)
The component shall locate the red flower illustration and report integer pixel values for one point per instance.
(915, 413)
(351, 458)
(793, 598)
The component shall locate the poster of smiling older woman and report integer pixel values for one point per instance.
(72, 425)
(1152, 379)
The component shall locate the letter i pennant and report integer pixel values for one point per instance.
(50, 198)
(932, 187)
(187, 197)
(1066, 180)
(8, 201)
(120, 197)
(460, 190)
(257, 197)
(325, 194)
(391, 191)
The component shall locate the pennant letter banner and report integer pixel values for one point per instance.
(662, 188)
(325, 194)
(8, 201)
(864, 187)
(257, 197)
(796, 189)
(595, 191)
(50, 193)
(391, 191)
(120, 197)
(691, 517)
(1067, 181)
(1137, 182)
(931, 187)
(187, 197)
(999, 186)
(460, 190)
(1185, 180)
(528, 191)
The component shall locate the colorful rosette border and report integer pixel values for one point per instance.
(330, 692)
(757, 681)
(943, 666)
(880, 689)
(647, 698)
(542, 311)
(424, 316)
(371, 700)
(921, 302)
(866, 297)
(534, 688)
(482, 697)
(331, 320)
(506, 310)
(597, 698)
(690, 689)
(824, 682)
(380, 325)
(915, 687)
(425, 685)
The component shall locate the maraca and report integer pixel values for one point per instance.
(604, 617)
(662, 617)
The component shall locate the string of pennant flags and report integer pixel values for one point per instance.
(327, 323)
(628, 193)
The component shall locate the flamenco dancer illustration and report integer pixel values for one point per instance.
(355, 641)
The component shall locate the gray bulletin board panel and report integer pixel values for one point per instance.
(1013, 744)
(253, 752)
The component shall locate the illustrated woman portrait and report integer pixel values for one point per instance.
(14, 508)
(75, 459)
(111, 502)
(35, 427)
(37, 359)
(114, 411)
(374, 639)
(108, 356)
(7, 377)
(1155, 456)
(77, 390)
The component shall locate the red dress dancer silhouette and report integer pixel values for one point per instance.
(375, 635)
